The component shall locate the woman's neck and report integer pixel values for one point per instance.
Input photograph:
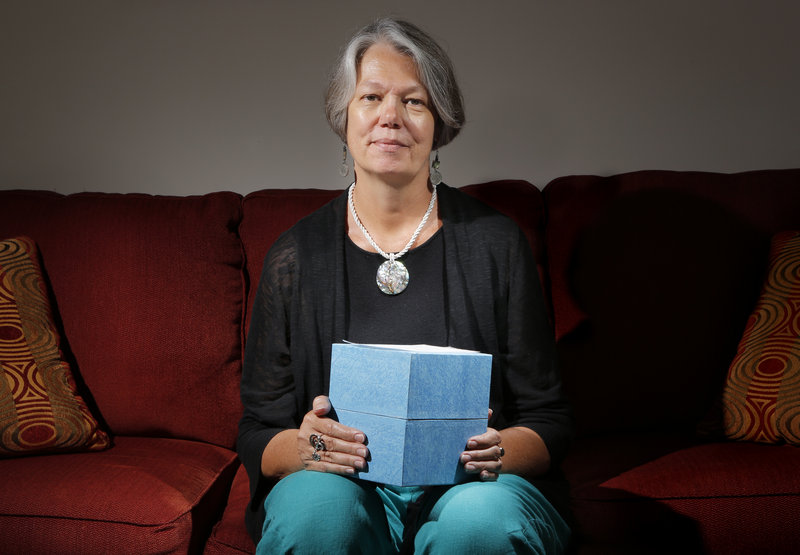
(391, 213)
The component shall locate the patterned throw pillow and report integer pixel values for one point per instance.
(761, 400)
(40, 410)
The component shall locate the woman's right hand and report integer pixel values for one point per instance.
(325, 445)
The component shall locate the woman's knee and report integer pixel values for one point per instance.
(467, 514)
(492, 518)
(311, 511)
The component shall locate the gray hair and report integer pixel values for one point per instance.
(434, 67)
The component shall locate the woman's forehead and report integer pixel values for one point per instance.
(382, 62)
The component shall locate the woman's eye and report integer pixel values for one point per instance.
(415, 102)
(371, 97)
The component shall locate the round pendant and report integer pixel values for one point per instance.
(392, 277)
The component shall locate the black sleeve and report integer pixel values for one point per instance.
(534, 396)
(267, 387)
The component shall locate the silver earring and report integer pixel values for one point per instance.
(436, 176)
(344, 169)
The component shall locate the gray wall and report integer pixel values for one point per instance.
(185, 96)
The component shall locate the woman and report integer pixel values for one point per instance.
(400, 259)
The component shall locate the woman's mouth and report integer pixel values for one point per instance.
(388, 145)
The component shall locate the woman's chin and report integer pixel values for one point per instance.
(393, 177)
(392, 172)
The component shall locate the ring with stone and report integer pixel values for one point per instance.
(502, 451)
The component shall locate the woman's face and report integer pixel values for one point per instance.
(390, 124)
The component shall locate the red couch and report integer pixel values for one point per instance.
(652, 276)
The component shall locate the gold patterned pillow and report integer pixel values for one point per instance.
(40, 410)
(761, 400)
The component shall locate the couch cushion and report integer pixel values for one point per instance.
(762, 393)
(144, 495)
(150, 293)
(714, 470)
(523, 203)
(653, 275)
(267, 214)
(660, 490)
(40, 409)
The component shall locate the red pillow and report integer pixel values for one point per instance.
(40, 410)
(761, 401)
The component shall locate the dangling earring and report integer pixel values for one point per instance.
(344, 169)
(436, 176)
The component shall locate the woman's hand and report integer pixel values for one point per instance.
(325, 445)
(484, 455)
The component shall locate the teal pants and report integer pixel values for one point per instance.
(314, 512)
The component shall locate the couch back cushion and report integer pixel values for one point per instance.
(653, 276)
(265, 215)
(269, 213)
(149, 291)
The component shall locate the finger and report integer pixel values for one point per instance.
(336, 445)
(476, 467)
(333, 429)
(321, 405)
(333, 461)
(485, 440)
(486, 455)
(493, 453)
(315, 424)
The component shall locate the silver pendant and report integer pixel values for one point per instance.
(392, 277)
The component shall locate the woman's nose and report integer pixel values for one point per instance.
(390, 115)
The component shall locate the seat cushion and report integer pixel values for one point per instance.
(144, 495)
(150, 294)
(640, 491)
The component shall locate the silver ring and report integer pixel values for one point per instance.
(318, 444)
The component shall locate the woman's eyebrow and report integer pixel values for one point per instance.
(374, 84)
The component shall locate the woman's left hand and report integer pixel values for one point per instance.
(484, 455)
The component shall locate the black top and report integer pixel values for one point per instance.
(494, 305)
(417, 315)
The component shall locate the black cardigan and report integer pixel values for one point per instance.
(495, 306)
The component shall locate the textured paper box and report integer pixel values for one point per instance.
(417, 405)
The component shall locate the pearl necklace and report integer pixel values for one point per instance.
(392, 276)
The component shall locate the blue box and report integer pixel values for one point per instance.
(417, 405)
